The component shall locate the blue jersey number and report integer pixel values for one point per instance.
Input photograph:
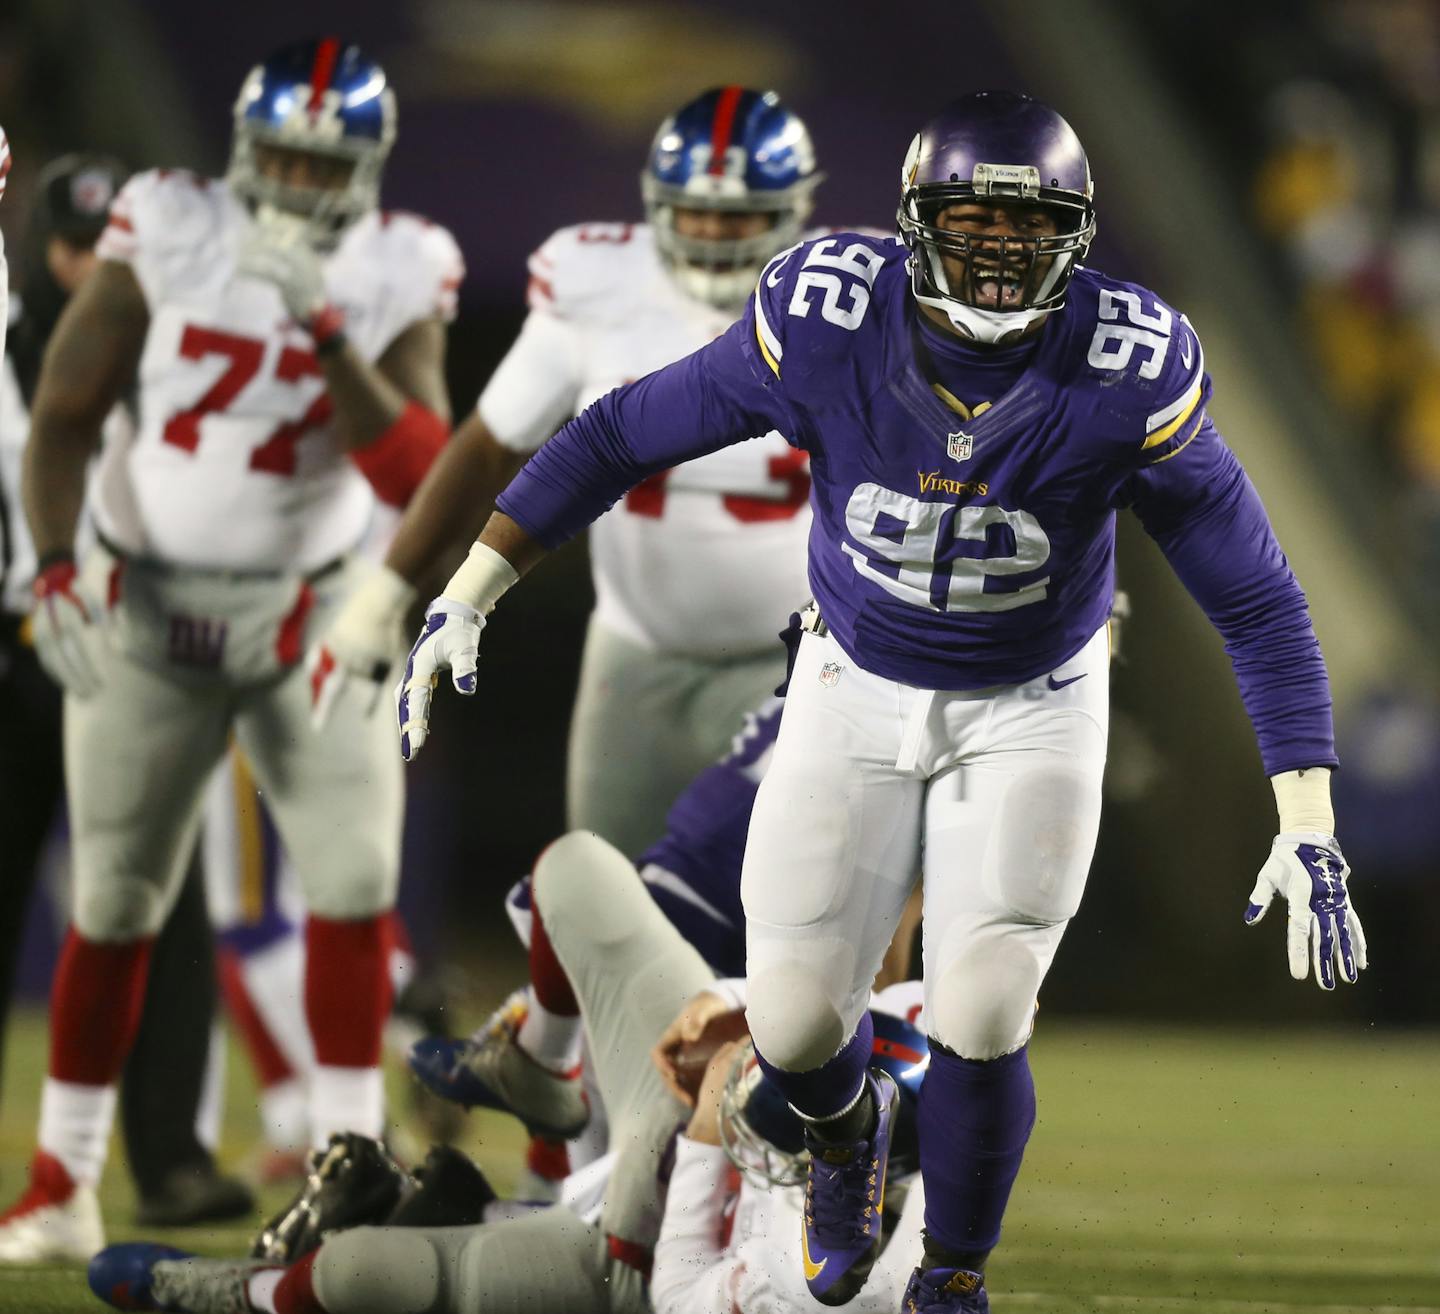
(1126, 325)
(859, 262)
(940, 556)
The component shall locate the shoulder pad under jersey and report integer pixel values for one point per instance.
(1145, 361)
(587, 269)
(819, 309)
(421, 260)
(162, 210)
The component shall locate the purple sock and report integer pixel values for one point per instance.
(974, 1120)
(822, 1092)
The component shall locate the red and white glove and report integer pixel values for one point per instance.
(366, 639)
(66, 629)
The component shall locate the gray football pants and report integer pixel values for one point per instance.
(645, 724)
(139, 754)
(632, 973)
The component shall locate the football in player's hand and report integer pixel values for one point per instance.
(690, 1058)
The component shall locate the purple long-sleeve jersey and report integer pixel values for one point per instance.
(964, 530)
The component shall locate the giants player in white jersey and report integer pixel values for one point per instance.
(695, 570)
(289, 341)
(717, 1243)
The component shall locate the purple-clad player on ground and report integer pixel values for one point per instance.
(976, 406)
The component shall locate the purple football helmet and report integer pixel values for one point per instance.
(988, 147)
(325, 98)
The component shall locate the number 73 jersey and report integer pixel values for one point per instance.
(235, 462)
(952, 548)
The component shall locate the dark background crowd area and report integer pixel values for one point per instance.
(1307, 166)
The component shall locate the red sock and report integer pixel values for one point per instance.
(296, 1292)
(267, 1058)
(547, 977)
(95, 1003)
(347, 988)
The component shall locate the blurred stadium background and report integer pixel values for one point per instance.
(1272, 170)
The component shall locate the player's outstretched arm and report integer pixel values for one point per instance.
(450, 638)
(1307, 870)
(447, 511)
(90, 361)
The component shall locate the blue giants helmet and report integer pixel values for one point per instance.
(731, 150)
(326, 99)
(989, 146)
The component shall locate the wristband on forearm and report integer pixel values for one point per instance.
(483, 577)
(1302, 799)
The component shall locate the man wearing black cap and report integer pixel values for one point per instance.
(174, 1173)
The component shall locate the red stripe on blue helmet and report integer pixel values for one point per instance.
(721, 128)
(327, 54)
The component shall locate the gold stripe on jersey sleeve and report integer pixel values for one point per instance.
(1190, 438)
(765, 351)
(1169, 431)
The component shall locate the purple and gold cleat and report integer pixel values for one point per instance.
(945, 1291)
(844, 1197)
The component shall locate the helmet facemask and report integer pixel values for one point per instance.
(722, 271)
(1007, 283)
(759, 1131)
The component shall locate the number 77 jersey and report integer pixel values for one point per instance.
(957, 546)
(235, 462)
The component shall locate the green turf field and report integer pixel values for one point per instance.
(1187, 1171)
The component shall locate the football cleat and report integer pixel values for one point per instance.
(452, 1192)
(844, 1199)
(140, 1275)
(945, 1291)
(493, 1072)
(352, 1182)
(55, 1220)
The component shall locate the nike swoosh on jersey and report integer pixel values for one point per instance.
(1060, 684)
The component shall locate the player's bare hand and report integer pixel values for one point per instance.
(360, 647)
(66, 628)
(1309, 872)
(685, 1030)
(450, 642)
(704, 1123)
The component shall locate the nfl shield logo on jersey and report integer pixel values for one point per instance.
(830, 673)
(958, 446)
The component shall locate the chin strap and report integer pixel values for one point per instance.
(985, 325)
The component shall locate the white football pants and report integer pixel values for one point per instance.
(645, 724)
(991, 796)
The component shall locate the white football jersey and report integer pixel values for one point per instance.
(235, 463)
(707, 559)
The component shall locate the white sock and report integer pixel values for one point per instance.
(551, 1039)
(75, 1123)
(285, 1114)
(345, 1100)
(260, 1289)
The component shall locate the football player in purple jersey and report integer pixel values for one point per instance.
(977, 406)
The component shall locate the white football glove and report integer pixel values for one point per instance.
(66, 628)
(364, 641)
(450, 641)
(1308, 870)
(277, 248)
